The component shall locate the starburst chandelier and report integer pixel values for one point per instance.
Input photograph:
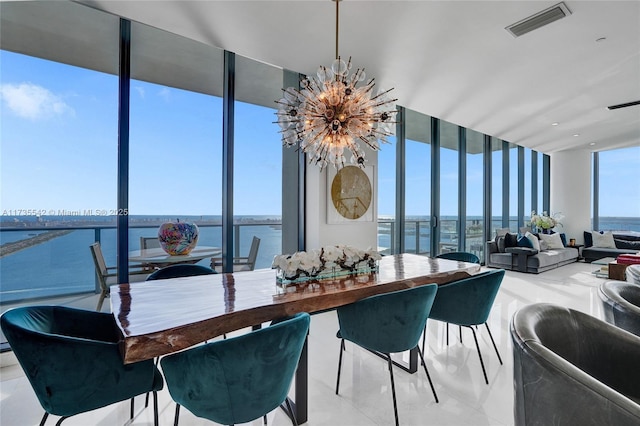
(330, 114)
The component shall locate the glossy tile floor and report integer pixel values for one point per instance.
(365, 393)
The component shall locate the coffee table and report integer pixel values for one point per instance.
(603, 272)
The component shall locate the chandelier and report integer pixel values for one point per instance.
(329, 116)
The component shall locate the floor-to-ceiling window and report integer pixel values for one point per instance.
(417, 183)
(474, 223)
(257, 191)
(618, 192)
(59, 145)
(513, 187)
(387, 196)
(175, 135)
(496, 185)
(449, 182)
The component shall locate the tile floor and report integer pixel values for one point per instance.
(365, 397)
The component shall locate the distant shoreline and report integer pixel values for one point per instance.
(10, 248)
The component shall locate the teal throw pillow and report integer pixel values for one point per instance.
(523, 241)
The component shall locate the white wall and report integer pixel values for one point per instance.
(319, 233)
(571, 191)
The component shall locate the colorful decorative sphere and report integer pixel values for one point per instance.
(178, 238)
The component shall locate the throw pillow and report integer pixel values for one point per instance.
(604, 240)
(588, 241)
(535, 242)
(553, 240)
(510, 240)
(563, 237)
(500, 243)
(523, 241)
(543, 245)
(626, 244)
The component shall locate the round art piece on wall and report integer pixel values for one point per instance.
(351, 192)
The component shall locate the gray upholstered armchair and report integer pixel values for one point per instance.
(621, 305)
(573, 369)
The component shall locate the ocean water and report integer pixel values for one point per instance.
(64, 264)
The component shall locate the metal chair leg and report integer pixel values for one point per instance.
(339, 365)
(177, 415)
(460, 332)
(479, 355)
(133, 408)
(44, 418)
(155, 408)
(494, 343)
(424, 364)
(393, 389)
(424, 337)
(291, 411)
(63, 418)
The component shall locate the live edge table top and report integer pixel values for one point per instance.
(163, 316)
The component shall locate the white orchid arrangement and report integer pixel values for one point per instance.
(544, 221)
(315, 262)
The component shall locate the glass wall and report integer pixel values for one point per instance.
(619, 192)
(474, 224)
(448, 187)
(59, 146)
(417, 183)
(175, 144)
(387, 196)
(513, 187)
(496, 186)
(257, 168)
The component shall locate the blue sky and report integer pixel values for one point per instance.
(59, 151)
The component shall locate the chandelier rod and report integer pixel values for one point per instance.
(337, 24)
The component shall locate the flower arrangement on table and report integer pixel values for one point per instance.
(325, 262)
(544, 222)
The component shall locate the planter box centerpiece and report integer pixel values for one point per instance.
(326, 262)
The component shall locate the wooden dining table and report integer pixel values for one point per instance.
(164, 316)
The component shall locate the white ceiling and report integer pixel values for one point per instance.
(450, 59)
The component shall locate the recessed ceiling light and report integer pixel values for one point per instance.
(576, 135)
(592, 144)
(554, 124)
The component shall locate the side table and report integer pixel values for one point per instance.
(617, 271)
(579, 248)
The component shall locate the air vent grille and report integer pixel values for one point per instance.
(538, 20)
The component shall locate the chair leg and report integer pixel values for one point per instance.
(63, 418)
(447, 336)
(494, 343)
(339, 365)
(293, 413)
(424, 364)
(177, 415)
(460, 332)
(424, 337)
(44, 418)
(132, 408)
(100, 300)
(475, 339)
(393, 389)
(156, 421)
(264, 419)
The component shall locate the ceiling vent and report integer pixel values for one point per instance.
(538, 20)
(628, 104)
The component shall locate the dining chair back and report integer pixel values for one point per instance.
(461, 256)
(468, 303)
(238, 379)
(149, 243)
(107, 275)
(387, 323)
(180, 270)
(240, 264)
(72, 360)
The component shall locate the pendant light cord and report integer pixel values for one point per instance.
(337, 23)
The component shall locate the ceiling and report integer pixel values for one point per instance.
(449, 59)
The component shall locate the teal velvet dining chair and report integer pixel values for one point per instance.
(180, 270)
(467, 303)
(72, 360)
(239, 379)
(461, 256)
(387, 323)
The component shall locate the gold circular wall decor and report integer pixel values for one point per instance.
(351, 192)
